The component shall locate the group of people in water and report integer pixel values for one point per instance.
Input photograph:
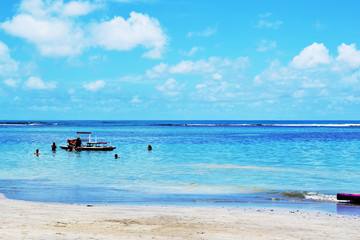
(78, 144)
(53, 148)
(74, 144)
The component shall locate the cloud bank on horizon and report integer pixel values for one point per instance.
(159, 60)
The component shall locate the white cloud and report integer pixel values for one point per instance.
(217, 76)
(217, 91)
(131, 78)
(312, 76)
(266, 45)
(265, 15)
(131, 1)
(41, 8)
(258, 80)
(324, 92)
(71, 91)
(313, 84)
(208, 66)
(190, 67)
(11, 82)
(136, 99)
(264, 22)
(8, 66)
(157, 70)
(348, 55)
(353, 99)
(299, 93)
(312, 56)
(75, 8)
(171, 87)
(200, 86)
(36, 7)
(56, 31)
(276, 74)
(205, 33)
(46, 24)
(37, 83)
(53, 37)
(46, 108)
(279, 81)
(351, 78)
(214, 66)
(94, 86)
(127, 34)
(193, 51)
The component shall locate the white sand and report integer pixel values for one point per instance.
(29, 220)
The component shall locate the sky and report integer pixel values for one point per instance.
(179, 60)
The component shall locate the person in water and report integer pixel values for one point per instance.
(69, 148)
(78, 142)
(53, 146)
(149, 147)
(37, 152)
(116, 156)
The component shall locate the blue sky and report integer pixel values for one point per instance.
(157, 59)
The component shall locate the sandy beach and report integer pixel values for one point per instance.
(31, 220)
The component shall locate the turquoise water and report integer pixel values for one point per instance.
(192, 162)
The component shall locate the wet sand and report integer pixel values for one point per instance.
(32, 220)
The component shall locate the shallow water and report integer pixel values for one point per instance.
(192, 162)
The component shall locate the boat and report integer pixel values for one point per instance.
(77, 144)
(352, 197)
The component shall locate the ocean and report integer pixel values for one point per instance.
(291, 164)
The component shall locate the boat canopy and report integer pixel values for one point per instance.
(89, 140)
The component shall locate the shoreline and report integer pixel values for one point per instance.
(35, 220)
(246, 201)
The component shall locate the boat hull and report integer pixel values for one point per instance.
(353, 197)
(95, 149)
(90, 148)
(76, 144)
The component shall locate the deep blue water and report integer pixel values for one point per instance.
(192, 162)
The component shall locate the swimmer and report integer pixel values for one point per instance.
(116, 156)
(149, 147)
(53, 146)
(69, 148)
(37, 152)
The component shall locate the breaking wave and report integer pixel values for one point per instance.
(304, 195)
(21, 123)
(26, 123)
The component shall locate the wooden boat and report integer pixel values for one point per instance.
(95, 146)
(77, 144)
(352, 197)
